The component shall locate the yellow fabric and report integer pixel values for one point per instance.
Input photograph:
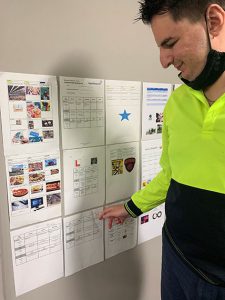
(193, 147)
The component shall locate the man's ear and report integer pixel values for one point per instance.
(215, 16)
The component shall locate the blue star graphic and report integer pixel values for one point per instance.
(125, 115)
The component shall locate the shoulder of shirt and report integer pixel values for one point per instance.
(178, 94)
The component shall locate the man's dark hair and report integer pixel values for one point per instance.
(193, 10)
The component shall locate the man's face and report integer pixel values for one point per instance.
(182, 44)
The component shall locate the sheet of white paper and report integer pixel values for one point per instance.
(84, 178)
(150, 224)
(122, 171)
(121, 237)
(150, 156)
(123, 100)
(83, 241)
(37, 254)
(82, 112)
(34, 188)
(29, 112)
(155, 96)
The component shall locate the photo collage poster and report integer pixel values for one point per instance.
(34, 188)
(29, 113)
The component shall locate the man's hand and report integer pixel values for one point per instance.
(116, 213)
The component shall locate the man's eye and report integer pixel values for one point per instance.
(169, 44)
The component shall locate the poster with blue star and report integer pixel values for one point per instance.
(123, 100)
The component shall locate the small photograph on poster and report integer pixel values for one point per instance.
(48, 134)
(16, 180)
(117, 166)
(50, 162)
(35, 166)
(129, 163)
(47, 123)
(145, 219)
(16, 170)
(19, 137)
(54, 171)
(35, 136)
(45, 105)
(35, 189)
(19, 205)
(34, 109)
(159, 118)
(17, 92)
(53, 199)
(159, 128)
(52, 186)
(33, 90)
(45, 93)
(36, 177)
(37, 203)
(20, 192)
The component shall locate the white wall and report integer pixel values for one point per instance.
(88, 39)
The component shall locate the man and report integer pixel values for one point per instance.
(191, 37)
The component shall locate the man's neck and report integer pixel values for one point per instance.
(216, 90)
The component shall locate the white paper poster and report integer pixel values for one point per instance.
(37, 253)
(155, 96)
(121, 237)
(82, 112)
(83, 241)
(123, 100)
(84, 178)
(151, 152)
(34, 188)
(122, 171)
(29, 113)
(151, 223)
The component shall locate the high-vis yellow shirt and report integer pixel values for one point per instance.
(193, 147)
(192, 181)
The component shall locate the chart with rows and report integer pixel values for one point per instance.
(82, 112)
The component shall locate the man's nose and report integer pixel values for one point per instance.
(166, 57)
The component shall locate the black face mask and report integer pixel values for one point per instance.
(214, 68)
